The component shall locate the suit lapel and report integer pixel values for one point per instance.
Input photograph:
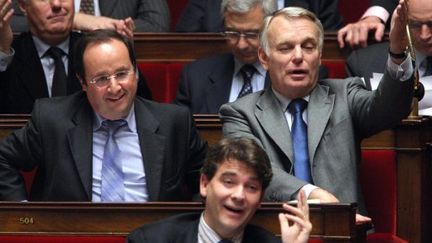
(34, 82)
(217, 93)
(80, 139)
(152, 148)
(190, 234)
(272, 120)
(319, 110)
(107, 7)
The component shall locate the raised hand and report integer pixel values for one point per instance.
(295, 226)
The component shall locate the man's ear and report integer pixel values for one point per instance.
(262, 56)
(203, 185)
(22, 5)
(82, 82)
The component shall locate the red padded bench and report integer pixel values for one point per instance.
(60, 239)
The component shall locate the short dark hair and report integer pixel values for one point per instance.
(246, 151)
(98, 36)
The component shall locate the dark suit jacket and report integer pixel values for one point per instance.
(24, 80)
(389, 5)
(366, 61)
(183, 228)
(205, 16)
(148, 15)
(340, 114)
(205, 84)
(58, 141)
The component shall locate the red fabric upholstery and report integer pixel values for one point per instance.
(162, 79)
(346, 8)
(384, 238)
(378, 181)
(176, 7)
(336, 68)
(61, 239)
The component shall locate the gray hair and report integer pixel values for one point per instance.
(243, 6)
(289, 13)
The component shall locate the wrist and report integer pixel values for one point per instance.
(401, 55)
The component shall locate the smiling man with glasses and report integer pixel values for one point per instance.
(104, 144)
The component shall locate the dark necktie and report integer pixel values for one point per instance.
(87, 7)
(428, 66)
(59, 83)
(225, 241)
(299, 140)
(112, 185)
(247, 72)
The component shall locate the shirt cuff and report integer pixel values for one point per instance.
(6, 59)
(401, 72)
(308, 188)
(377, 11)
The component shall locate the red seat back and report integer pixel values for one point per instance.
(60, 239)
(378, 181)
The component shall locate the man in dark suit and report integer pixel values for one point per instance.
(154, 154)
(373, 21)
(143, 15)
(311, 129)
(205, 15)
(233, 180)
(369, 62)
(26, 69)
(207, 83)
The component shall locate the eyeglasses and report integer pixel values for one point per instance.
(416, 25)
(105, 80)
(234, 36)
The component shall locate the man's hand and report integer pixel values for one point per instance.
(356, 34)
(6, 35)
(397, 35)
(323, 195)
(296, 227)
(85, 22)
(360, 219)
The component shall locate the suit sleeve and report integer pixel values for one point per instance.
(370, 109)
(183, 96)
(152, 16)
(192, 17)
(389, 5)
(19, 151)
(283, 186)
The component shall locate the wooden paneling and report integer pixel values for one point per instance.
(331, 222)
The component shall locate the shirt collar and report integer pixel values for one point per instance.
(130, 119)
(42, 47)
(208, 234)
(238, 65)
(284, 101)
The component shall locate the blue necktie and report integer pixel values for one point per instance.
(299, 140)
(247, 72)
(428, 66)
(112, 188)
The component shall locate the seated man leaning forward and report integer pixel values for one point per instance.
(104, 144)
(233, 179)
(311, 129)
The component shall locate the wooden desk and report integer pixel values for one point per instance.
(185, 47)
(331, 222)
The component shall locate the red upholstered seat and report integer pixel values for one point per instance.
(379, 181)
(176, 8)
(336, 68)
(60, 239)
(162, 79)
